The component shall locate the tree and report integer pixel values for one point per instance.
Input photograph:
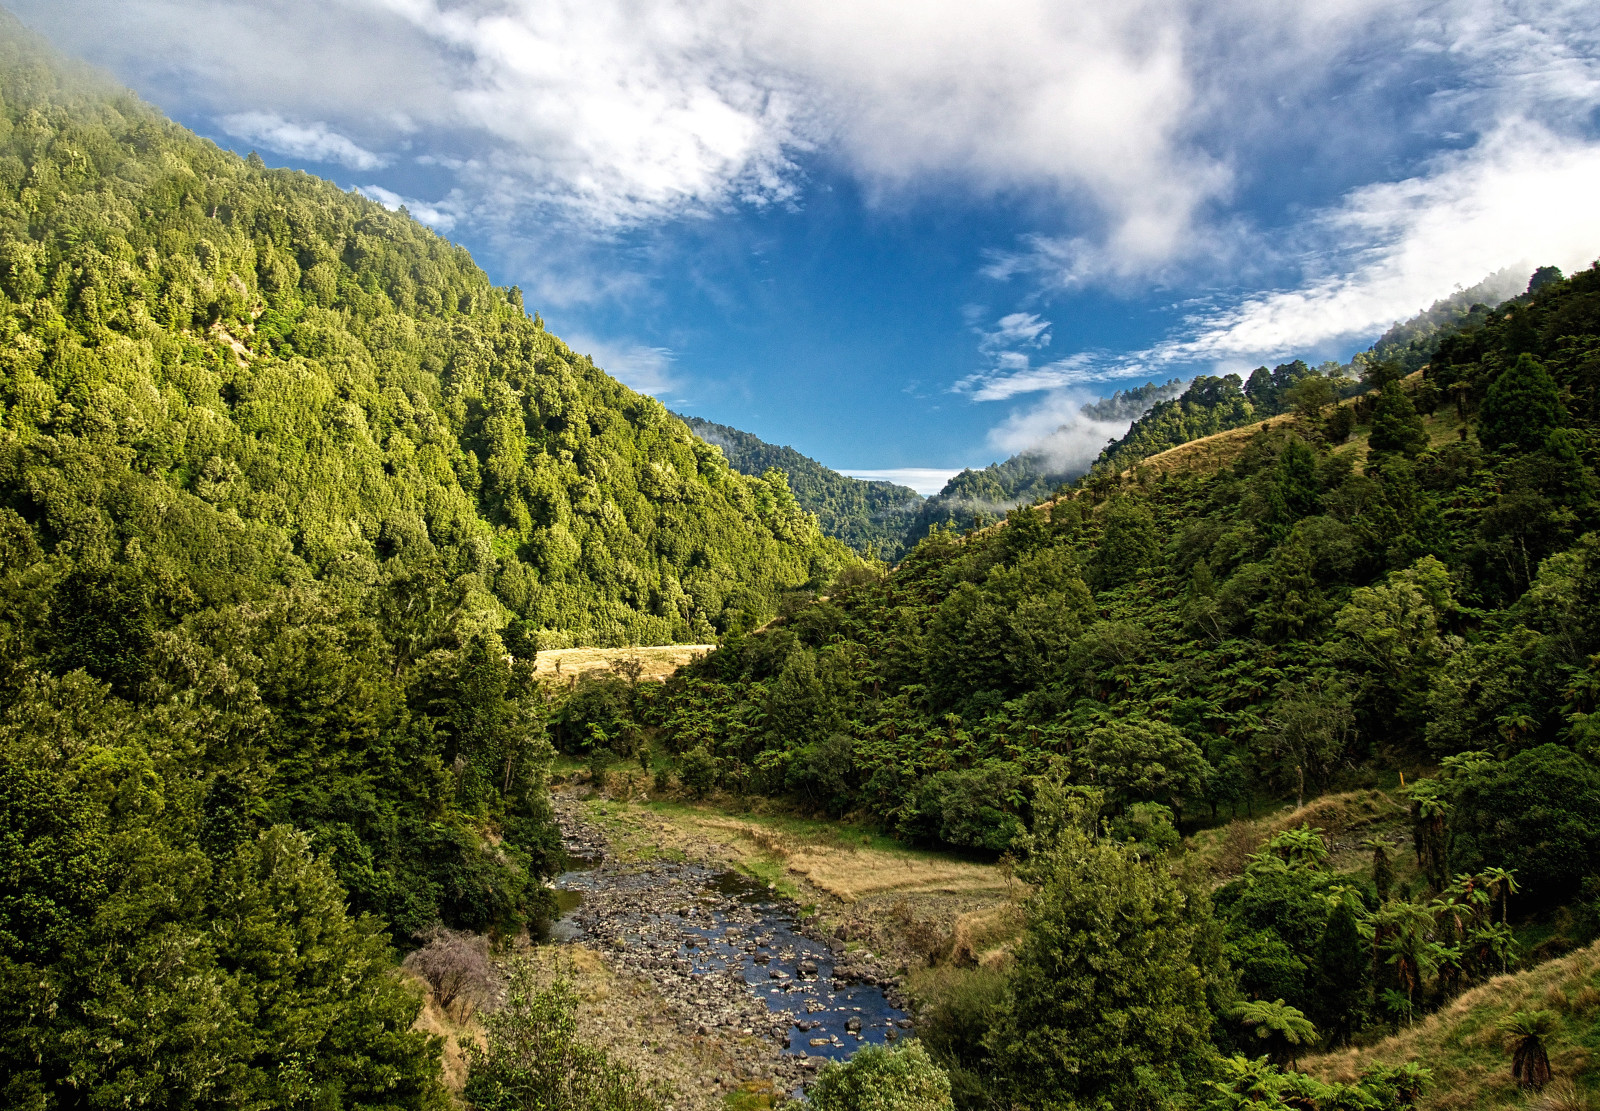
(1396, 427)
(1310, 396)
(1107, 1003)
(1128, 544)
(1531, 814)
(1136, 759)
(1282, 1027)
(1523, 406)
(532, 1059)
(879, 1078)
(1530, 1061)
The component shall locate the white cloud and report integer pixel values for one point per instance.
(1128, 128)
(1018, 329)
(1522, 197)
(635, 365)
(315, 142)
(439, 217)
(924, 480)
(1058, 429)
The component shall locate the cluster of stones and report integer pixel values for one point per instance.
(663, 922)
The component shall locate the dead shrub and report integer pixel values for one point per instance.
(456, 967)
(1239, 842)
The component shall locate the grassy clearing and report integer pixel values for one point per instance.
(846, 862)
(1466, 1051)
(1346, 819)
(657, 663)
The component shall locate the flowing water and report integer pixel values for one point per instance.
(703, 923)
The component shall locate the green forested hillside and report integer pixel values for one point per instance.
(1421, 594)
(1215, 404)
(975, 496)
(289, 493)
(858, 512)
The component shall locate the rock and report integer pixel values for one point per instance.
(852, 1024)
(820, 1041)
(807, 968)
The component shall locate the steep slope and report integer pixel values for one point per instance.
(289, 495)
(1467, 1051)
(1217, 404)
(853, 510)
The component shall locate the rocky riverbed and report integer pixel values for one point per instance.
(733, 962)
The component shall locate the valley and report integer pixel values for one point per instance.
(399, 712)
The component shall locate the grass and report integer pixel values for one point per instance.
(656, 663)
(1346, 818)
(1462, 1045)
(846, 861)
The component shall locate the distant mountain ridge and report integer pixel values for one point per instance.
(859, 512)
(1029, 476)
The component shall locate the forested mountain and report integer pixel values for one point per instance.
(1422, 594)
(1216, 404)
(856, 511)
(289, 492)
(972, 497)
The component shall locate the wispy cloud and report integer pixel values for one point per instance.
(1018, 329)
(439, 217)
(314, 142)
(924, 480)
(1522, 197)
(1059, 430)
(637, 366)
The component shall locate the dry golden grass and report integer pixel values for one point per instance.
(1464, 1048)
(847, 872)
(658, 662)
(457, 1034)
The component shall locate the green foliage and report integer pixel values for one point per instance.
(1527, 1030)
(1107, 1004)
(878, 1078)
(1396, 425)
(1243, 1084)
(532, 1060)
(1532, 814)
(1275, 1024)
(868, 516)
(1523, 406)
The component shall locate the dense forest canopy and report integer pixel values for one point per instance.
(290, 494)
(1407, 578)
(865, 515)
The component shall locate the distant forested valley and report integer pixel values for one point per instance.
(292, 498)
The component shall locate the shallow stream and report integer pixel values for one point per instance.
(697, 932)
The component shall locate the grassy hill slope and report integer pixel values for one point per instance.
(1466, 1051)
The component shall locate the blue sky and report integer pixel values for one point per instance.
(918, 236)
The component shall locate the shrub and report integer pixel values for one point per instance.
(533, 1061)
(456, 966)
(881, 1079)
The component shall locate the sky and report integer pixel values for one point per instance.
(910, 238)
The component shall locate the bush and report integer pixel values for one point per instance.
(881, 1079)
(971, 808)
(1533, 814)
(456, 967)
(532, 1060)
(697, 768)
